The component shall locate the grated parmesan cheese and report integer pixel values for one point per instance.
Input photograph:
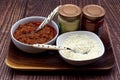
(81, 44)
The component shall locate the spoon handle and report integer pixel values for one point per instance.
(54, 47)
(49, 47)
(48, 19)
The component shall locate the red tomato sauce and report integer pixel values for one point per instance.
(25, 33)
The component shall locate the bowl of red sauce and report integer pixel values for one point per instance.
(23, 33)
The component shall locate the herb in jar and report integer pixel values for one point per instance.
(69, 17)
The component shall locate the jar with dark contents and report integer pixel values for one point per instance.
(93, 18)
(69, 17)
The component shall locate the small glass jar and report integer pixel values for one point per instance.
(93, 18)
(69, 17)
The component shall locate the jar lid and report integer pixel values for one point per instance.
(93, 11)
(69, 10)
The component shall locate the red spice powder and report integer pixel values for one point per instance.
(25, 33)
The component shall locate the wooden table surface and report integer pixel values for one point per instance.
(13, 10)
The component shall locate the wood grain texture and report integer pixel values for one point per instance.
(51, 60)
(13, 10)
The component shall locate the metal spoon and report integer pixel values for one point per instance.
(48, 19)
(54, 47)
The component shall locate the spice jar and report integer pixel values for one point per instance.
(69, 17)
(93, 18)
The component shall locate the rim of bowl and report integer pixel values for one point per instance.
(11, 30)
(87, 32)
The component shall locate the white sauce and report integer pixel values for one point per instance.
(81, 44)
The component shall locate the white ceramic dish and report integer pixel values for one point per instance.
(26, 47)
(64, 36)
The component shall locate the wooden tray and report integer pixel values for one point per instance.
(51, 60)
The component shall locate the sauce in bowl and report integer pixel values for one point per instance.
(25, 33)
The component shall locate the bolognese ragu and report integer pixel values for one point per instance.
(25, 33)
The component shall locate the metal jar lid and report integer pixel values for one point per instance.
(69, 10)
(93, 11)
